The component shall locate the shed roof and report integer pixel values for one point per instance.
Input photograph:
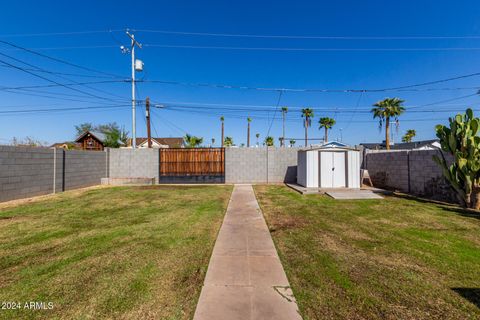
(329, 148)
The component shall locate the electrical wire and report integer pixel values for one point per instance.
(46, 34)
(58, 109)
(60, 60)
(311, 49)
(38, 69)
(306, 36)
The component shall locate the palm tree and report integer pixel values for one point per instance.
(284, 114)
(292, 142)
(257, 135)
(222, 119)
(248, 131)
(269, 141)
(307, 113)
(192, 141)
(228, 142)
(409, 135)
(386, 109)
(326, 123)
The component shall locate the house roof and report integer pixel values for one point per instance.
(100, 136)
(400, 146)
(175, 142)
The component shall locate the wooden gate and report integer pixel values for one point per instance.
(192, 162)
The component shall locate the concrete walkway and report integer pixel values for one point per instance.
(245, 278)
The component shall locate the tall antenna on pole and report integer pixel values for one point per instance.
(137, 65)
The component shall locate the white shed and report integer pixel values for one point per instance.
(329, 166)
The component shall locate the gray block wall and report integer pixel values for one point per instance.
(388, 169)
(129, 163)
(260, 165)
(84, 168)
(29, 171)
(411, 171)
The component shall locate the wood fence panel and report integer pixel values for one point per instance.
(192, 162)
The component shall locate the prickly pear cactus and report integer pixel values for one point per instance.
(462, 141)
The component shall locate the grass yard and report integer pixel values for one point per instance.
(395, 258)
(116, 253)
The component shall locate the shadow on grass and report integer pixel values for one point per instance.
(449, 207)
(470, 294)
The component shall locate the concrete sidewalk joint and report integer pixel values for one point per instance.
(245, 278)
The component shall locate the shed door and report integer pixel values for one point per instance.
(339, 169)
(332, 170)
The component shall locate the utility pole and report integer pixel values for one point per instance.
(284, 113)
(135, 67)
(147, 112)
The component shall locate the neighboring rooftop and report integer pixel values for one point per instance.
(175, 142)
(424, 144)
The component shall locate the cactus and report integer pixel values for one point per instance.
(461, 140)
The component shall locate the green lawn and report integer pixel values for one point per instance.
(395, 258)
(123, 253)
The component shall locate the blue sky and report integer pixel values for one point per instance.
(195, 109)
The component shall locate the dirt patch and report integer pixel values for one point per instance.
(281, 223)
(76, 192)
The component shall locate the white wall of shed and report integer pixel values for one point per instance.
(302, 168)
(353, 169)
(312, 169)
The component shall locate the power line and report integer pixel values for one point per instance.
(405, 88)
(46, 34)
(279, 49)
(72, 84)
(275, 112)
(67, 74)
(49, 80)
(36, 69)
(298, 49)
(59, 109)
(320, 37)
(307, 36)
(59, 60)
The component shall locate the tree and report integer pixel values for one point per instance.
(213, 142)
(386, 109)
(409, 135)
(292, 142)
(228, 142)
(284, 115)
(326, 123)
(257, 135)
(462, 141)
(269, 141)
(307, 114)
(248, 131)
(192, 141)
(222, 119)
(83, 127)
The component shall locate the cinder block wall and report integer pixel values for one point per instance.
(29, 171)
(388, 169)
(84, 168)
(412, 171)
(139, 163)
(260, 165)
